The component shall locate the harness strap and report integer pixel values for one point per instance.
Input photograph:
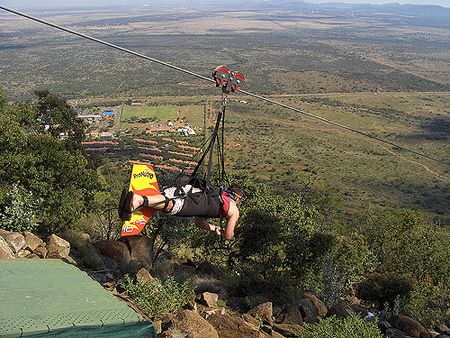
(146, 203)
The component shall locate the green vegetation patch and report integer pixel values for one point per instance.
(161, 113)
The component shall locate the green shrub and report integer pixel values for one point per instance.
(353, 326)
(381, 289)
(167, 296)
(427, 304)
(18, 210)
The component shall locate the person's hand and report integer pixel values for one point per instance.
(217, 230)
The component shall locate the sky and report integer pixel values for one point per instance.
(99, 3)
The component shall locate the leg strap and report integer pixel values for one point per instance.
(145, 204)
(166, 204)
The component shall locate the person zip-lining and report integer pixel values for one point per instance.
(197, 199)
(191, 202)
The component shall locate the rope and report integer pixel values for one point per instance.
(85, 36)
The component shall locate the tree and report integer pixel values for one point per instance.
(45, 165)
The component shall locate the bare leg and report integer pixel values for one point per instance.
(156, 202)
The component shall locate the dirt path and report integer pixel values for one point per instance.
(445, 178)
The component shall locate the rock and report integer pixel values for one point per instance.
(117, 251)
(157, 325)
(173, 333)
(57, 247)
(33, 256)
(312, 307)
(231, 325)
(85, 237)
(213, 311)
(263, 311)
(32, 242)
(290, 315)
(209, 299)
(384, 326)
(341, 310)
(24, 253)
(409, 326)
(143, 275)
(288, 330)
(441, 335)
(5, 250)
(41, 251)
(16, 241)
(192, 324)
(140, 250)
(395, 333)
(251, 320)
(4, 233)
(201, 284)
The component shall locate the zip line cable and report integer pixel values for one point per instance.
(129, 51)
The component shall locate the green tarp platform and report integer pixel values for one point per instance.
(50, 298)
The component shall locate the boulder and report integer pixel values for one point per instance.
(41, 251)
(193, 325)
(57, 247)
(384, 326)
(24, 253)
(209, 299)
(409, 326)
(143, 275)
(85, 237)
(5, 250)
(117, 251)
(4, 233)
(15, 240)
(312, 307)
(208, 311)
(231, 325)
(33, 256)
(341, 310)
(263, 311)
(32, 242)
(290, 315)
(288, 330)
(140, 251)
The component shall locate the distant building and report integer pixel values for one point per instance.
(108, 113)
(186, 131)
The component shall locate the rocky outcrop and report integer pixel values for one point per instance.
(28, 245)
(140, 251)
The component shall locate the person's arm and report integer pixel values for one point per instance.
(202, 223)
